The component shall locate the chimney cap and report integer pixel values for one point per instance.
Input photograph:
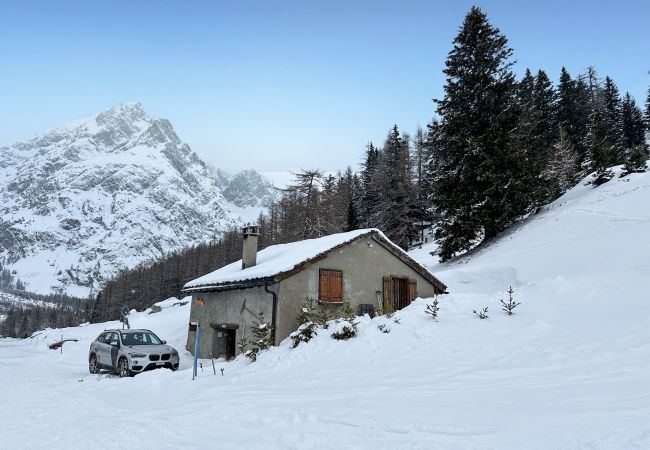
(251, 230)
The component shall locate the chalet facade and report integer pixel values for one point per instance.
(362, 268)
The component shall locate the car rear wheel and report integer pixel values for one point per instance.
(123, 368)
(93, 366)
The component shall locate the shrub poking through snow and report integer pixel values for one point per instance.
(482, 313)
(383, 328)
(349, 329)
(261, 331)
(602, 176)
(511, 304)
(310, 319)
(242, 344)
(432, 309)
(635, 161)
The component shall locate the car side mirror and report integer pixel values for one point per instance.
(164, 342)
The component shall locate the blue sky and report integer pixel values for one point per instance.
(284, 85)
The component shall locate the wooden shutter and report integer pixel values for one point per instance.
(388, 295)
(330, 285)
(413, 290)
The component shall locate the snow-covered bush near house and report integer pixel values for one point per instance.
(568, 370)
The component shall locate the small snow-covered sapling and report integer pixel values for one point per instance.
(482, 313)
(432, 309)
(511, 304)
(349, 330)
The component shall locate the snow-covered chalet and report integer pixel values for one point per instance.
(362, 268)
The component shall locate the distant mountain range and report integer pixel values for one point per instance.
(82, 201)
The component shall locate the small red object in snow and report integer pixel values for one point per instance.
(59, 344)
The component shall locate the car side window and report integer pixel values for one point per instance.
(113, 339)
(102, 338)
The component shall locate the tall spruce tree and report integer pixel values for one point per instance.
(482, 185)
(573, 110)
(633, 126)
(536, 129)
(397, 202)
(613, 108)
(371, 190)
(647, 112)
(605, 136)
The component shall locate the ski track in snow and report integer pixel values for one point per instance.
(569, 370)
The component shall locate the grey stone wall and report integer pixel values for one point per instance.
(364, 264)
(226, 308)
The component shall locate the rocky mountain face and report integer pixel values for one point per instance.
(246, 189)
(80, 202)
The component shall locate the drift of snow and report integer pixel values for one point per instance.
(568, 370)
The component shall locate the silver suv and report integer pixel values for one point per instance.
(128, 352)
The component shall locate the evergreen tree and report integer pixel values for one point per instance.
(612, 103)
(536, 129)
(633, 127)
(421, 205)
(647, 112)
(561, 168)
(545, 119)
(481, 185)
(605, 136)
(397, 203)
(573, 110)
(262, 340)
(371, 190)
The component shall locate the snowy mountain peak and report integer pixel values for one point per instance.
(82, 201)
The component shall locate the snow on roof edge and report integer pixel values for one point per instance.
(281, 258)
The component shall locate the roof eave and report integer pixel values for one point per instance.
(230, 285)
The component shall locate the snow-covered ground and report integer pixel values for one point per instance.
(571, 369)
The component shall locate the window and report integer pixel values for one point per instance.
(330, 286)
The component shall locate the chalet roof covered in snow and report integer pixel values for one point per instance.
(281, 259)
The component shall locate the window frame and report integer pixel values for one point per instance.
(331, 300)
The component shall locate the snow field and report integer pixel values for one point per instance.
(569, 370)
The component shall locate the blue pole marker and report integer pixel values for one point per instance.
(196, 348)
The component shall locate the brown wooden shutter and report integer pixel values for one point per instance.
(413, 289)
(323, 288)
(388, 295)
(336, 277)
(330, 285)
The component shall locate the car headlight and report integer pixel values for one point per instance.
(174, 353)
(137, 355)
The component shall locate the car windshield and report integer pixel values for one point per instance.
(140, 338)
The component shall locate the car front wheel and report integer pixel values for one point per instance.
(93, 367)
(123, 368)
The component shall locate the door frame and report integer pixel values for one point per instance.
(404, 281)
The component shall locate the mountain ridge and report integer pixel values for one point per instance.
(108, 191)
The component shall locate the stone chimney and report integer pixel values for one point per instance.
(249, 250)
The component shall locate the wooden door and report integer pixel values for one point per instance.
(398, 292)
(388, 296)
(230, 344)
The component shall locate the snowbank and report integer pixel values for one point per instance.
(568, 370)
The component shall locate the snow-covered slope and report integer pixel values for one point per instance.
(568, 370)
(79, 202)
